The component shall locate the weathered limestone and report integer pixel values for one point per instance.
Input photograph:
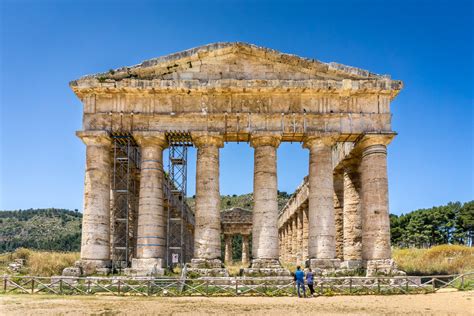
(352, 220)
(207, 234)
(322, 243)
(228, 249)
(299, 237)
(151, 237)
(245, 249)
(305, 233)
(294, 238)
(338, 214)
(265, 212)
(374, 201)
(95, 243)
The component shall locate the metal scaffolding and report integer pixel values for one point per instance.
(124, 199)
(178, 241)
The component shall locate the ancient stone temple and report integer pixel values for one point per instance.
(229, 92)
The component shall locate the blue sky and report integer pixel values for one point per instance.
(427, 44)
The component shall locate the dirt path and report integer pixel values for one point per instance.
(450, 303)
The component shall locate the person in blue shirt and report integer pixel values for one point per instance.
(299, 277)
(310, 281)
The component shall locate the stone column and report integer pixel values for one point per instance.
(265, 212)
(228, 249)
(299, 236)
(374, 200)
(151, 234)
(294, 238)
(207, 232)
(305, 233)
(352, 220)
(338, 214)
(245, 249)
(95, 243)
(322, 247)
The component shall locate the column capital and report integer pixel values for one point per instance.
(258, 139)
(94, 138)
(370, 139)
(319, 140)
(150, 138)
(203, 139)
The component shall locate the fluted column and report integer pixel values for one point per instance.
(245, 249)
(374, 197)
(265, 212)
(228, 249)
(207, 240)
(95, 242)
(288, 241)
(322, 248)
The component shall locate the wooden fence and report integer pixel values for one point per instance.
(235, 286)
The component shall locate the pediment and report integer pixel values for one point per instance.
(239, 61)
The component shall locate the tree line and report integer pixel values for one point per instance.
(447, 224)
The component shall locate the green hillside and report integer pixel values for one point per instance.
(48, 229)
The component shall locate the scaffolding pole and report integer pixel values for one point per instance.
(178, 212)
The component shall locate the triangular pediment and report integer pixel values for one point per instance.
(239, 61)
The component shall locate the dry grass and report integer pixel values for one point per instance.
(443, 259)
(39, 263)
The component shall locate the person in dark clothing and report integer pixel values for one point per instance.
(310, 281)
(299, 277)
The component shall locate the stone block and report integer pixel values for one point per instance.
(146, 267)
(206, 263)
(89, 267)
(72, 271)
(323, 263)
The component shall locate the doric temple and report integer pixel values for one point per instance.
(228, 92)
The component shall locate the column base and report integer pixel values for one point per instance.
(89, 267)
(266, 268)
(382, 267)
(352, 264)
(323, 264)
(206, 267)
(146, 267)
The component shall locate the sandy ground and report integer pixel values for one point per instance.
(448, 303)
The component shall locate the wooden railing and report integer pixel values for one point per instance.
(235, 286)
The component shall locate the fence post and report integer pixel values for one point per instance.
(118, 287)
(433, 283)
(148, 288)
(89, 286)
(407, 288)
(207, 287)
(350, 285)
(236, 286)
(32, 285)
(61, 286)
(378, 285)
(5, 282)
